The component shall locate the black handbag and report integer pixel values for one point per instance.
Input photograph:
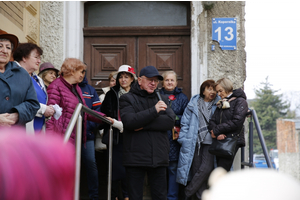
(223, 148)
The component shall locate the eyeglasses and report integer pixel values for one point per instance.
(37, 57)
(155, 80)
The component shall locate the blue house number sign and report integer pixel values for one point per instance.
(224, 32)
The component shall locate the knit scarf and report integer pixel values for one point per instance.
(122, 91)
(204, 113)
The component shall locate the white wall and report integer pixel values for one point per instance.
(73, 33)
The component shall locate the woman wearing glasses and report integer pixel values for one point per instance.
(28, 56)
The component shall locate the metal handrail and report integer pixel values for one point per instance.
(261, 139)
(76, 117)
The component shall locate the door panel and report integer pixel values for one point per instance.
(167, 53)
(104, 55)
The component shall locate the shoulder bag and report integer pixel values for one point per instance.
(223, 148)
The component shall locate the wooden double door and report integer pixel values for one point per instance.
(104, 54)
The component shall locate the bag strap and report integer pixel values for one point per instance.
(221, 116)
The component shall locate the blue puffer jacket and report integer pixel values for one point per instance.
(178, 106)
(92, 101)
(188, 138)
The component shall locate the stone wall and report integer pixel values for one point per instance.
(288, 141)
(52, 31)
(224, 63)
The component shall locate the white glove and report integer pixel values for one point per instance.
(118, 124)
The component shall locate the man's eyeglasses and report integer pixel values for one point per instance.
(155, 80)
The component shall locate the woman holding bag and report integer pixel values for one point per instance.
(229, 117)
(195, 140)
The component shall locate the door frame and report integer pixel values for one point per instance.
(73, 39)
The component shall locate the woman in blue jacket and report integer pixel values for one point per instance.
(18, 101)
(195, 140)
(178, 102)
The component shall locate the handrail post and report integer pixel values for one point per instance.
(251, 143)
(72, 122)
(78, 156)
(76, 117)
(110, 163)
(261, 138)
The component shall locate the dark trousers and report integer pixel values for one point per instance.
(202, 166)
(89, 160)
(115, 188)
(157, 178)
(226, 163)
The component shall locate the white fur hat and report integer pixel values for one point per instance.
(126, 68)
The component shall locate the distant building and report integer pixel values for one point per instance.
(288, 144)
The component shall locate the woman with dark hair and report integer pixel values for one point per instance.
(110, 106)
(18, 101)
(28, 56)
(229, 117)
(195, 141)
(178, 102)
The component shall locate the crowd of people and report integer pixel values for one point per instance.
(160, 133)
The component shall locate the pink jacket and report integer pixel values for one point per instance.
(60, 93)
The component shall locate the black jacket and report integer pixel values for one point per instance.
(92, 101)
(110, 107)
(232, 118)
(148, 147)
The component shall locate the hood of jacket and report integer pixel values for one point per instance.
(83, 82)
(239, 93)
(194, 103)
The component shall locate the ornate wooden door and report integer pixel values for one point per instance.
(167, 53)
(105, 54)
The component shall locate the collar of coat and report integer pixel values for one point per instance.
(136, 89)
(224, 103)
(70, 86)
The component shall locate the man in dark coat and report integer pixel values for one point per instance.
(146, 145)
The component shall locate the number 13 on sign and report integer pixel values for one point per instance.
(224, 31)
(230, 33)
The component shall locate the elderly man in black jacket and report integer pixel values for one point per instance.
(146, 121)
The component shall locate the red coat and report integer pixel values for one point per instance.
(60, 93)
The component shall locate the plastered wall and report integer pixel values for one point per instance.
(52, 32)
(224, 63)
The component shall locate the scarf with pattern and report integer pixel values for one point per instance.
(204, 113)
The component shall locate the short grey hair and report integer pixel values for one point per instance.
(226, 84)
(166, 73)
(4, 39)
